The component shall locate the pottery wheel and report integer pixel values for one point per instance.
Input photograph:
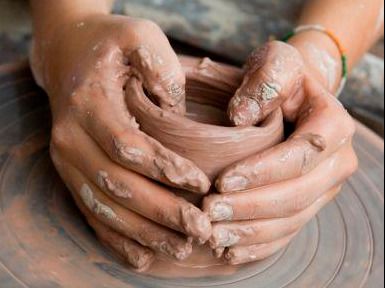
(44, 241)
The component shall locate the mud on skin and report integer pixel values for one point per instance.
(119, 131)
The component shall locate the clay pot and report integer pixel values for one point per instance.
(205, 135)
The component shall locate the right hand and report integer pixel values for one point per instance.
(97, 146)
(267, 198)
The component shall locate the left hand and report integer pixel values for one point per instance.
(266, 199)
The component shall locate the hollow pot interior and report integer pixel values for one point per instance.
(204, 135)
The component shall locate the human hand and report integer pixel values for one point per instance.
(97, 146)
(265, 200)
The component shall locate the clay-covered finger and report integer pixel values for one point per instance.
(132, 225)
(117, 132)
(137, 193)
(246, 254)
(273, 73)
(286, 198)
(156, 64)
(133, 253)
(244, 233)
(120, 219)
(323, 127)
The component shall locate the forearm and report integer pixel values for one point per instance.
(48, 15)
(49, 18)
(356, 23)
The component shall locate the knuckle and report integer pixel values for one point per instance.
(308, 161)
(309, 148)
(297, 208)
(345, 122)
(146, 25)
(59, 139)
(282, 53)
(354, 163)
(76, 99)
(257, 58)
(349, 124)
(346, 125)
(54, 155)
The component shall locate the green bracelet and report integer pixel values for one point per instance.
(335, 39)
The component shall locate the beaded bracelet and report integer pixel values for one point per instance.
(335, 39)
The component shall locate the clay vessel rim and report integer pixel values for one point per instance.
(156, 113)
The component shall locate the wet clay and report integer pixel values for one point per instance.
(46, 243)
(206, 137)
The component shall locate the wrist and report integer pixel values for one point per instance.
(49, 16)
(51, 21)
(322, 57)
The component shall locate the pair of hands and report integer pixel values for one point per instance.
(109, 164)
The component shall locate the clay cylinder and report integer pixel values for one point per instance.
(204, 135)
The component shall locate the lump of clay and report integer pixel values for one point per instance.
(205, 135)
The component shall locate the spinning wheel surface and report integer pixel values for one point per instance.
(44, 241)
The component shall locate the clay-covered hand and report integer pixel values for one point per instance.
(97, 146)
(267, 198)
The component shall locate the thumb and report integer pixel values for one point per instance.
(159, 68)
(273, 73)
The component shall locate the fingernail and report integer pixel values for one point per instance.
(235, 183)
(221, 212)
(225, 238)
(244, 111)
(140, 259)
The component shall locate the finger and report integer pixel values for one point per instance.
(274, 73)
(133, 226)
(246, 254)
(117, 133)
(137, 193)
(156, 63)
(132, 252)
(122, 220)
(244, 233)
(323, 127)
(283, 199)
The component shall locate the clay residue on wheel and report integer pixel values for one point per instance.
(45, 241)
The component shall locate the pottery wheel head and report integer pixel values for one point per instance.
(44, 241)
